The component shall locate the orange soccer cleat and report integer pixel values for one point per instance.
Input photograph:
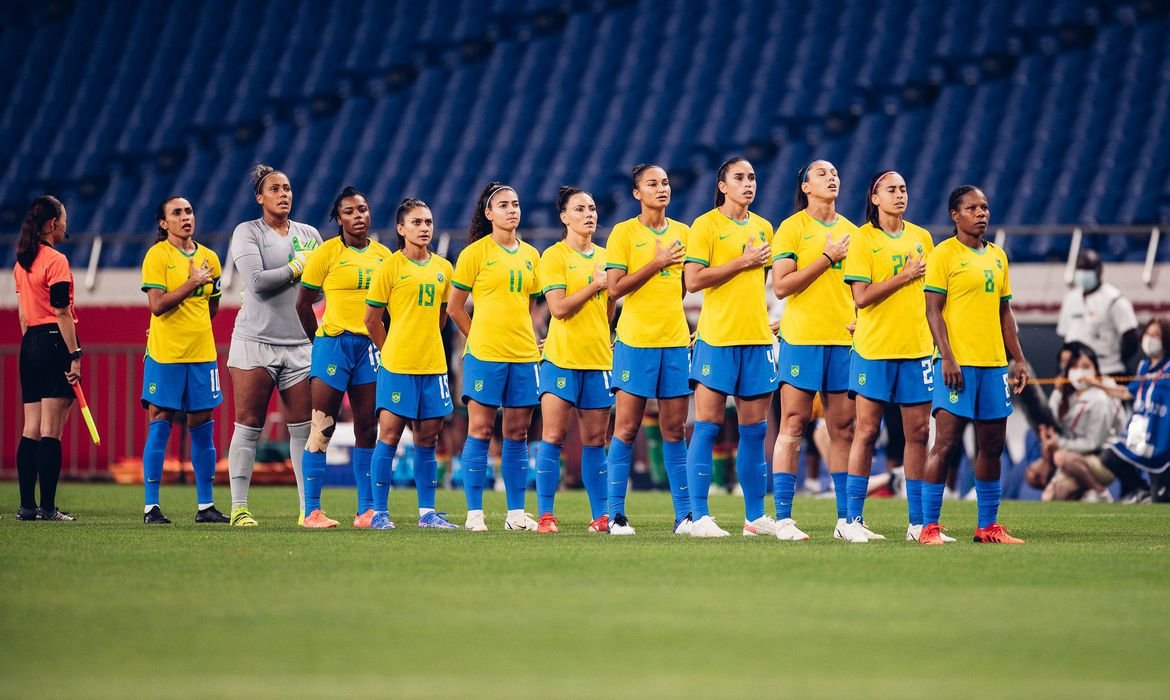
(599, 525)
(995, 534)
(318, 520)
(931, 534)
(364, 519)
(547, 523)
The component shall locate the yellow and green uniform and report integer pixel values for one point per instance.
(822, 312)
(182, 334)
(975, 283)
(735, 312)
(652, 315)
(414, 293)
(501, 283)
(580, 341)
(344, 274)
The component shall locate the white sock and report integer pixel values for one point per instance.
(205, 506)
(147, 508)
(241, 459)
(424, 511)
(517, 513)
(298, 435)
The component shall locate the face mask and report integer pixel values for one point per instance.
(1085, 279)
(1080, 378)
(1151, 346)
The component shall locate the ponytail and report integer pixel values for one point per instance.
(43, 209)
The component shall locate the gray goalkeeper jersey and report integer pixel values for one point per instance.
(261, 256)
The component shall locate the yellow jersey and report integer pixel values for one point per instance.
(182, 334)
(580, 341)
(344, 273)
(895, 328)
(501, 283)
(414, 293)
(735, 312)
(652, 315)
(821, 314)
(976, 284)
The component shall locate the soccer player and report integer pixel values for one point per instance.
(269, 349)
(807, 258)
(651, 358)
(50, 354)
(892, 348)
(578, 359)
(344, 360)
(968, 305)
(413, 285)
(181, 281)
(498, 271)
(727, 259)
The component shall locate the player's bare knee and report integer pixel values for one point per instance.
(321, 429)
(552, 435)
(794, 425)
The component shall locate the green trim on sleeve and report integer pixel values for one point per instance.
(535, 295)
(1007, 298)
(378, 304)
(857, 278)
(460, 286)
(306, 285)
(153, 286)
(551, 287)
(781, 256)
(697, 260)
(936, 290)
(615, 266)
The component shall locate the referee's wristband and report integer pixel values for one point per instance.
(75, 355)
(830, 259)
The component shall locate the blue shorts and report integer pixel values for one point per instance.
(181, 386)
(413, 396)
(345, 360)
(735, 370)
(583, 388)
(903, 382)
(652, 373)
(508, 384)
(815, 367)
(986, 394)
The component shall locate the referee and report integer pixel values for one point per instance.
(50, 356)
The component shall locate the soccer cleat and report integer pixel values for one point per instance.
(620, 525)
(838, 531)
(870, 534)
(242, 517)
(155, 516)
(27, 514)
(548, 523)
(706, 527)
(683, 525)
(475, 521)
(435, 521)
(787, 531)
(211, 515)
(854, 533)
(599, 524)
(913, 532)
(317, 520)
(363, 520)
(995, 534)
(381, 521)
(521, 522)
(1092, 496)
(762, 525)
(931, 534)
(55, 515)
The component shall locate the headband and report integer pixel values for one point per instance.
(260, 185)
(496, 190)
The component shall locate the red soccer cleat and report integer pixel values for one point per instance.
(317, 520)
(599, 525)
(995, 534)
(931, 534)
(547, 523)
(364, 520)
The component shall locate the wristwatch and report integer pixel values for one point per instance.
(75, 355)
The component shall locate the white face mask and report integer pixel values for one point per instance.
(1085, 279)
(1151, 346)
(1080, 378)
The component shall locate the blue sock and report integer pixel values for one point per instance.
(932, 497)
(675, 456)
(426, 475)
(548, 476)
(203, 460)
(699, 466)
(514, 469)
(856, 488)
(618, 478)
(153, 455)
(783, 491)
(593, 476)
(475, 458)
(381, 474)
(751, 468)
(914, 500)
(987, 494)
(841, 490)
(361, 476)
(313, 469)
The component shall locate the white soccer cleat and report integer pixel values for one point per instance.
(521, 521)
(944, 537)
(475, 521)
(854, 533)
(706, 527)
(620, 525)
(870, 534)
(787, 531)
(913, 532)
(762, 525)
(838, 530)
(683, 527)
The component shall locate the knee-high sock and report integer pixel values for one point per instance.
(514, 468)
(593, 475)
(153, 454)
(203, 462)
(26, 469)
(841, 491)
(381, 474)
(298, 435)
(241, 459)
(361, 475)
(618, 478)
(932, 498)
(987, 494)
(313, 464)
(426, 474)
(751, 468)
(675, 456)
(856, 488)
(475, 457)
(783, 491)
(49, 471)
(548, 476)
(914, 500)
(699, 466)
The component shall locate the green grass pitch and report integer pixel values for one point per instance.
(106, 607)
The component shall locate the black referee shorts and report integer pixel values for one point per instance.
(44, 360)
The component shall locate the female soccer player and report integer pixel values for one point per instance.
(727, 258)
(181, 281)
(892, 349)
(269, 348)
(498, 271)
(413, 284)
(578, 359)
(808, 254)
(344, 359)
(651, 358)
(968, 305)
(50, 354)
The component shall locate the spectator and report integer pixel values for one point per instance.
(1096, 314)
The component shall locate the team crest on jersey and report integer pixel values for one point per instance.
(999, 263)
(954, 397)
(479, 385)
(761, 234)
(918, 248)
(861, 379)
(625, 375)
(439, 278)
(153, 388)
(706, 370)
(331, 370)
(794, 370)
(395, 397)
(561, 382)
(528, 264)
